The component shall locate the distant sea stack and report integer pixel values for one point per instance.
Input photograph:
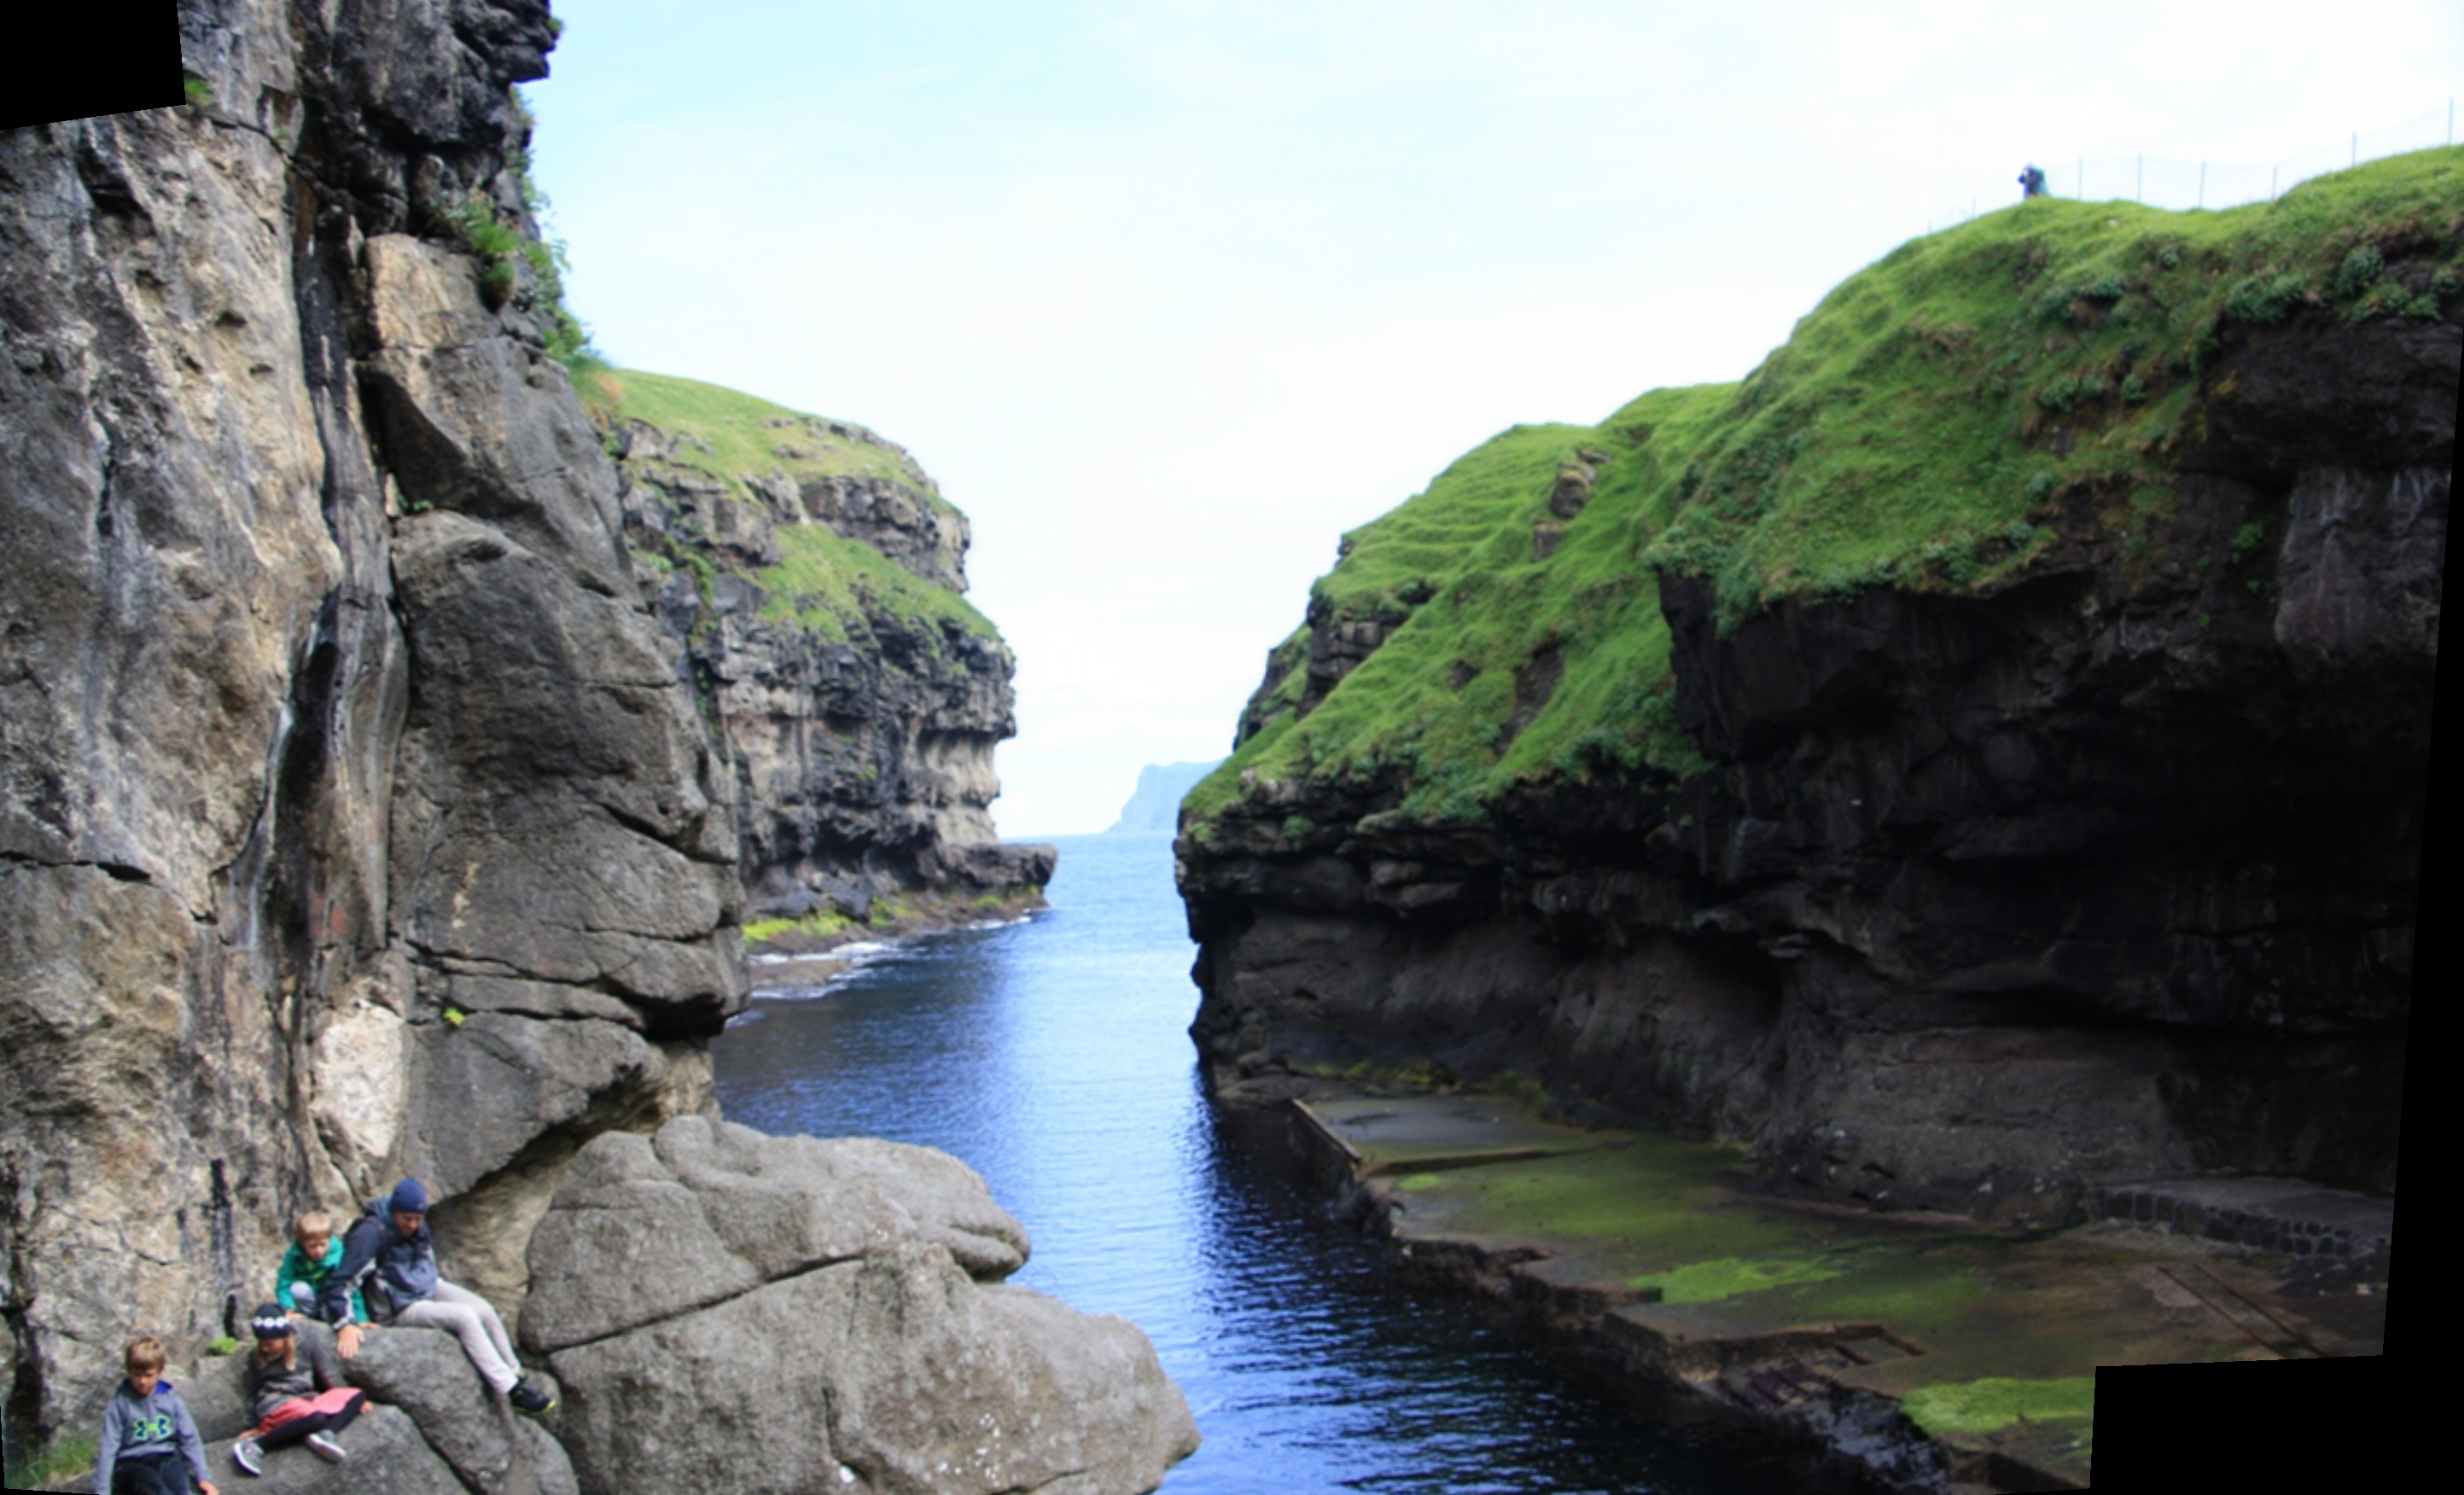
(812, 578)
(1979, 757)
(1155, 804)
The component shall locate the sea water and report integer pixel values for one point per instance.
(1052, 1055)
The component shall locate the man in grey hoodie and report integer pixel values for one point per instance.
(390, 1256)
(149, 1443)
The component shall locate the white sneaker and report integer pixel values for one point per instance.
(325, 1448)
(249, 1455)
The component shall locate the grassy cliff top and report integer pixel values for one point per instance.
(1918, 429)
(824, 583)
(729, 435)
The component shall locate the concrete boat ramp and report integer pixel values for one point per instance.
(1940, 1354)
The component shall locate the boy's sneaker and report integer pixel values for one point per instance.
(322, 1444)
(249, 1455)
(528, 1400)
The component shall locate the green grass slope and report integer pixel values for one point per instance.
(1916, 430)
(824, 582)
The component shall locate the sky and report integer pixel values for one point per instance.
(1167, 295)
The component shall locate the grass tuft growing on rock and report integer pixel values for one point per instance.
(830, 585)
(68, 1455)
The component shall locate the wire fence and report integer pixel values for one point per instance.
(2162, 182)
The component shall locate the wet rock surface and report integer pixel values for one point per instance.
(1924, 1353)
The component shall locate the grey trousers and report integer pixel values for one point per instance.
(468, 1317)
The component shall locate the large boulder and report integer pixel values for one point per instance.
(425, 1373)
(729, 1310)
(388, 1456)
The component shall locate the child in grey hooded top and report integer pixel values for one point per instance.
(149, 1443)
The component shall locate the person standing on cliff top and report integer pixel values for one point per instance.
(2032, 182)
(387, 1255)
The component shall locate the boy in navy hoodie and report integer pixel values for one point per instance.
(149, 1443)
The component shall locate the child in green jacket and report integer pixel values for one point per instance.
(300, 1285)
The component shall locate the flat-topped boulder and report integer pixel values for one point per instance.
(730, 1311)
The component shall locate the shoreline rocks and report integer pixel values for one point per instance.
(846, 1298)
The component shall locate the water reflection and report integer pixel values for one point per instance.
(1051, 1055)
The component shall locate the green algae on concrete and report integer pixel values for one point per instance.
(1988, 1339)
(1709, 1282)
(1992, 1402)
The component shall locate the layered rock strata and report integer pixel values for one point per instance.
(858, 712)
(2107, 870)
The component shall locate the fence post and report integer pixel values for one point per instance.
(2202, 184)
(2357, 149)
(2271, 182)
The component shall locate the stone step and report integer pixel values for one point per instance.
(2290, 1216)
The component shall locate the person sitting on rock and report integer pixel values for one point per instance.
(387, 1255)
(296, 1391)
(149, 1444)
(300, 1281)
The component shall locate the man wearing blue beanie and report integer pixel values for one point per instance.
(389, 1257)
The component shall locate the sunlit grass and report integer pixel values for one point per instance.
(1923, 429)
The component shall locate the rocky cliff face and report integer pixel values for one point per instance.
(811, 578)
(360, 819)
(356, 823)
(2095, 861)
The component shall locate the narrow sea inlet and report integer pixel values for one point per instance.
(1051, 1055)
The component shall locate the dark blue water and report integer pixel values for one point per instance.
(1052, 1055)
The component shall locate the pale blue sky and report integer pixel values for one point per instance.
(1168, 296)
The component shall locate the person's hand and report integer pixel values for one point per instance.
(207, 1486)
(347, 1340)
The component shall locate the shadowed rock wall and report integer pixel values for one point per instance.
(355, 823)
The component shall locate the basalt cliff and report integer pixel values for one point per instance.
(812, 577)
(389, 736)
(1978, 759)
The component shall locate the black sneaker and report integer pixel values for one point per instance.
(528, 1400)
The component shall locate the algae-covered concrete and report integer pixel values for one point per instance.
(1938, 1354)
